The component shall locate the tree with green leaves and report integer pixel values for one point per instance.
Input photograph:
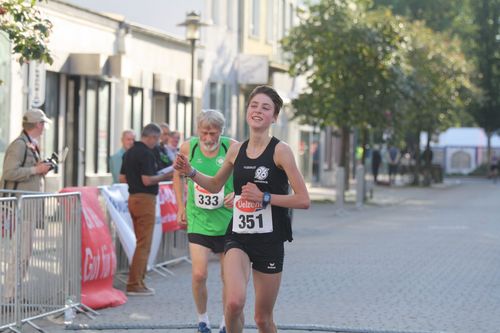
(438, 88)
(476, 24)
(349, 58)
(438, 15)
(28, 31)
(487, 54)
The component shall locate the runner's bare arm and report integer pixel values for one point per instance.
(299, 198)
(211, 184)
(178, 186)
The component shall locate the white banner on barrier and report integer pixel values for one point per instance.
(116, 197)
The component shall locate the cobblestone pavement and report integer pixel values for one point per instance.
(413, 260)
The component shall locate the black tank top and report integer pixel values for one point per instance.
(263, 172)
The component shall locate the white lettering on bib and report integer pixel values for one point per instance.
(250, 218)
(206, 200)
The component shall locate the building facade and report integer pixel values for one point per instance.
(242, 50)
(108, 75)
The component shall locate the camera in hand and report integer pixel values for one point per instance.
(53, 160)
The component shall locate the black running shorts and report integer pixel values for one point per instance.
(265, 257)
(214, 243)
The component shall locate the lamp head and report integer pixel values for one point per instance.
(192, 24)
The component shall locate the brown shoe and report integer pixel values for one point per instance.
(141, 292)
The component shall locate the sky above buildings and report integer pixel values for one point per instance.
(159, 14)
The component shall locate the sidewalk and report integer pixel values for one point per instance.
(377, 194)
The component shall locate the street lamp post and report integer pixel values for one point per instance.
(192, 24)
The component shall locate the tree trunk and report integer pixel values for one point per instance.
(416, 171)
(427, 161)
(344, 155)
(488, 136)
(364, 144)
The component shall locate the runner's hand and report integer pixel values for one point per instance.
(251, 192)
(229, 200)
(181, 217)
(182, 164)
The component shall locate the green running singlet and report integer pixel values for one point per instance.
(206, 213)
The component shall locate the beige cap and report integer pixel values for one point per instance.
(35, 116)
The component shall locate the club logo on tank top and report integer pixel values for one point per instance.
(220, 161)
(261, 174)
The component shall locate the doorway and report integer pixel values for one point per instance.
(161, 110)
(71, 174)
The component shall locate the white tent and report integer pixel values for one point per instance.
(463, 137)
(461, 150)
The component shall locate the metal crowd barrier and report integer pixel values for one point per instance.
(174, 248)
(40, 257)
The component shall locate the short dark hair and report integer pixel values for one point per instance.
(151, 130)
(269, 92)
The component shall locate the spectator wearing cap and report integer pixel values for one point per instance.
(24, 170)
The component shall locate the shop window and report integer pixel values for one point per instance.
(51, 109)
(183, 116)
(230, 15)
(97, 138)
(135, 108)
(255, 21)
(160, 108)
(270, 21)
(220, 99)
(282, 19)
(216, 12)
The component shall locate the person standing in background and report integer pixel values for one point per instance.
(172, 145)
(115, 160)
(139, 171)
(376, 160)
(24, 170)
(393, 157)
(161, 152)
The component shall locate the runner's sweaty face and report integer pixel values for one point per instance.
(209, 137)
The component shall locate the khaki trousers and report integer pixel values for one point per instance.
(26, 251)
(142, 208)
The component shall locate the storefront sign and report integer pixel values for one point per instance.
(37, 83)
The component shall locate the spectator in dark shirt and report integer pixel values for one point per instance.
(139, 171)
(376, 160)
(393, 156)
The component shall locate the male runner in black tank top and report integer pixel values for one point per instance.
(265, 249)
(263, 167)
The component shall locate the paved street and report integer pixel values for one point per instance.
(413, 260)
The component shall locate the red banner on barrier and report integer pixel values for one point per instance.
(98, 254)
(168, 208)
